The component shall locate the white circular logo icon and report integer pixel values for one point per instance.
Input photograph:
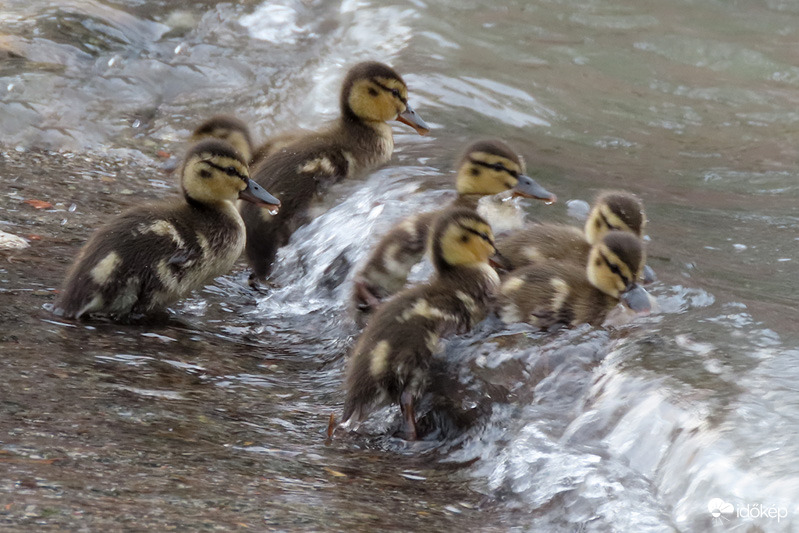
(717, 507)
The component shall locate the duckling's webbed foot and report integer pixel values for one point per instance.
(259, 284)
(408, 429)
(336, 271)
(365, 298)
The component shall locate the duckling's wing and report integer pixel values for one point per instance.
(390, 262)
(184, 257)
(296, 174)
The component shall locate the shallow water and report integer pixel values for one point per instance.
(216, 419)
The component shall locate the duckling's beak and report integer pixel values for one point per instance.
(499, 261)
(529, 188)
(257, 195)
(648, 275)
(636, 298)
(413, 120)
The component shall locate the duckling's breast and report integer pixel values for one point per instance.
(367, 147)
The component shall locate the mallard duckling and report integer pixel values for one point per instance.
(487, 167)
(276, 143)
(555, 292)
(237, 133)
(391, 360)
(359, 141)
(150, 256)
(612, 210)
(227, 128)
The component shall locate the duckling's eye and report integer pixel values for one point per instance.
(396, 93)
(616, 270)
(372, 91)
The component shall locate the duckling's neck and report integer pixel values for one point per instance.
(477, 278)
(367, 143)
(223, 206)
(468, 201)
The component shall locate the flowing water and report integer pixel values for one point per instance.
(686, 420)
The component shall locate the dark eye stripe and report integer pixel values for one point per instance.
(615, 269)
(394, 92)
(495, 166)
(606, 222)
(230, 171)
(480, 234)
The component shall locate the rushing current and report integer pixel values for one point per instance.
(685, 420)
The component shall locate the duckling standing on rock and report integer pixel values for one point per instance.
(613, 210)
(150, 256)
(359, 141)
(391, 362)
(487, 167)
(555, 292)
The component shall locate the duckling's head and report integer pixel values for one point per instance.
(216, 172)
(614, 266)
(228, 129)
(461, 237)
(491, 167)
(615, 210)
(374, 92)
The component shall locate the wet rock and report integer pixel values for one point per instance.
(9, 241)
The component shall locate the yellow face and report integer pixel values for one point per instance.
(486, 174)
(378, 98)
(210, 178)
(467, 242)
(236, 139)
(608, 273)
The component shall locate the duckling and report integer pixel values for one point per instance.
(237, 133)
(555, 292)
(227, 128)
(612, 210)
(360, 140)
(391, 361)
(150, 256)
(487, 167)
(276, 143)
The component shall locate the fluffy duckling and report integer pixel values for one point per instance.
(612, 210)
(555, 292)
(487, 167)
(150, 256)
(237, 133)
(227, 128)
(391, 362)
(360, 140)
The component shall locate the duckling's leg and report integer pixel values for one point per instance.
(408, 417)
(364, 294)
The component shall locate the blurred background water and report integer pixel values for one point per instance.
(218, 421)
